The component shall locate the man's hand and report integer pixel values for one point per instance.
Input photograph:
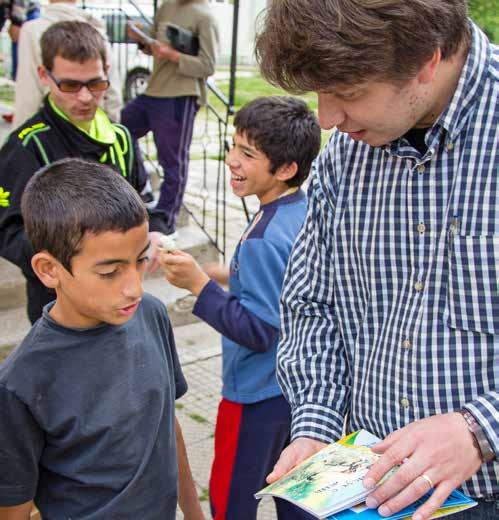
(163, 51)
(299, 450)
(183, 271)
(439, 447)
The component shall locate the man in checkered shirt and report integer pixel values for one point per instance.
(390, 306)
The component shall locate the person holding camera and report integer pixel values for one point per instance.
(176, 90)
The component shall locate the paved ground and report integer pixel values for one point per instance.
(200, 355)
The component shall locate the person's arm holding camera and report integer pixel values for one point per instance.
(164, 51)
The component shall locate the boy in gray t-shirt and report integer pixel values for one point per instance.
(87, 422)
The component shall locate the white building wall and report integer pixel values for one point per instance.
(248, 13)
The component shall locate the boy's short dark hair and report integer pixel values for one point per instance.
(284, 129)
(71, 197)
(313, 45)
(73, 41)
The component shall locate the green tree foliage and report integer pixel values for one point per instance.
(486, 14)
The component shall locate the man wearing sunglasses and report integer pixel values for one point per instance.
(69, 124)
(29, 92)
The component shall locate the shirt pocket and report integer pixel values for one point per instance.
(472, 293)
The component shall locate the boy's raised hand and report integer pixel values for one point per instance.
(183, 271)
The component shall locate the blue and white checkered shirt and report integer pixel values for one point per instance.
(390, 307)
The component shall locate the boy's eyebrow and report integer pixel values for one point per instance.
(111, 261)
(248, 148)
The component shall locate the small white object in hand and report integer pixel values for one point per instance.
(167, 243)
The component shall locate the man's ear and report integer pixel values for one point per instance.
(286, 171)
(42, 75)
(428, 71)
(47, 268)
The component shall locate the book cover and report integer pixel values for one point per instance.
(329, 483)
(330, 480)
(455, 503)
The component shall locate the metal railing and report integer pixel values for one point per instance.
(207, 207)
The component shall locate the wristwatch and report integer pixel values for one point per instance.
(479, 439)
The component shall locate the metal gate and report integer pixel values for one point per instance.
(207, 204)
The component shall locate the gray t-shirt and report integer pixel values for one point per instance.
(87, 419)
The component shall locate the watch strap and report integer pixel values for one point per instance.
(479, 439)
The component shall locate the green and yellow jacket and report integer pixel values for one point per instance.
(47, 137)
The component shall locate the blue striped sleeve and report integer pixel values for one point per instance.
(485, 410)
(312, 365)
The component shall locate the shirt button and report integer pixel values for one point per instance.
(418, 286)
(421, 168)
(421, 227)
(406, 344)
(450, 146)
(404, 402)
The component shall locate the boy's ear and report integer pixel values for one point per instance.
(47, 268)
(286, 171)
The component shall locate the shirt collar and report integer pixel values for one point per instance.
(101, 128)
(468, 91)
(470, 85)
(288, 198)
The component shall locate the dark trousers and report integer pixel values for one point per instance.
(171, 121)
(38, 296)
(487, 509)
(248, 441)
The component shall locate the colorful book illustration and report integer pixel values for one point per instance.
(330, 480)
(329, 483)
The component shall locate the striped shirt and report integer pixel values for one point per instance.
(390, 306)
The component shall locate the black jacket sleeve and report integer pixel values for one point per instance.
(17, 165)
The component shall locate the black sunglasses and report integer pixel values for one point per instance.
(73, 85)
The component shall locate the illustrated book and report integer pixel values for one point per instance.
(329, 483)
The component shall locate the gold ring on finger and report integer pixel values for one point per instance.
(428, 479)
